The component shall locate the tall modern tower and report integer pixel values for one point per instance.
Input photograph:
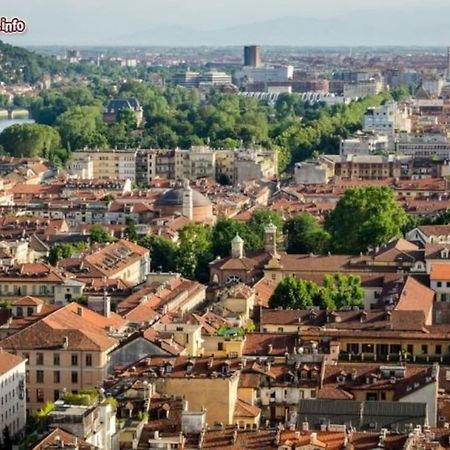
(448, 63)
(252, 55)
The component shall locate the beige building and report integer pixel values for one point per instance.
(68, 349)
(148, 165)
(108, 164)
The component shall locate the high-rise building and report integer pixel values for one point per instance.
(448, 63)
(252, 55)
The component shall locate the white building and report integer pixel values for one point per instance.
(81, 166)
(364, 144)
(433, 84)
(13, 412)
(265, 74)
(423, 145)
(312, 172)
(388, 119)
(363, 89)
(95, 424)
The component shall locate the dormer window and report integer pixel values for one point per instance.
(444, 253)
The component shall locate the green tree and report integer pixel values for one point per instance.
(162, 252)
(64, 250)
(341, 291)
(305, 235)
(365, 217)
(194, 251)
(29, 139)
(131, 231)
(128, 118)
(294, 293)
(99, 234)
(263, 217)
(225, 230)
(82, 126)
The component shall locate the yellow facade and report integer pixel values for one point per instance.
(222, 347)
(51, 371)
(217, 395)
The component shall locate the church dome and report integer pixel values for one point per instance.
(174, 197)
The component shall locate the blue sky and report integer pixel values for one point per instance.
(114, 21)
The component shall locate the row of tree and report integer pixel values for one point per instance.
(177, 117)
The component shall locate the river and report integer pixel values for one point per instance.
(4, 123)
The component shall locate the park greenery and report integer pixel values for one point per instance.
(178, 117)
(337, 292)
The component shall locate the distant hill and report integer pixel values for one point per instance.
(414, 26)
(18, 64)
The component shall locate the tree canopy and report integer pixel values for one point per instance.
(338, 292)
(29, 139)
(305, 235)
(365, 217)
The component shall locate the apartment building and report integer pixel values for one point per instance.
(66, 350)
(364, 166)
(81, 166)
(363, 89)
(149, 165)
(365, 143)
(109, 164)
(95, 424)
(12, 393)
(423, 146)
(388, 119)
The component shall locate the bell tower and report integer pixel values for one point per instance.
(188, 205)
(237, 247)
(270, 239)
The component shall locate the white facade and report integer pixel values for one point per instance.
(423, 145)
(265, 74)
(365, 144)
(13, 410)
(312, 172)
(362, 89)
(81, 166)
(433, 85)
(388, 119)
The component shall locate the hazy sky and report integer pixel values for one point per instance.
(111, 21)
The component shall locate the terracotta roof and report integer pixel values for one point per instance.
(268, 344)
(8, 361)
(82, 328)
(264, 289)
(28, 301)
(416, 297)
(244, 409)
(440, 272)
(435, 230)
(60, 438)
